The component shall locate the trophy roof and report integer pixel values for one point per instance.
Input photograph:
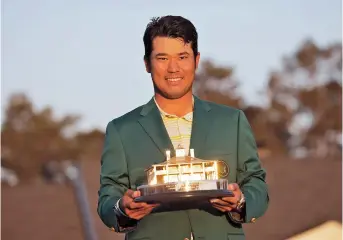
(181, 160)
(185, 159)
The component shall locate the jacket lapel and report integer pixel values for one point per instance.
(152, 123)
(201, 125)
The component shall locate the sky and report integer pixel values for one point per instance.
(86, 57)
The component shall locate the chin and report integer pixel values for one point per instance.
(174, 95)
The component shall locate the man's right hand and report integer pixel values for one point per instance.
(132, 209)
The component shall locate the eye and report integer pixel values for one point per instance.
(183, 57)
(162, 58)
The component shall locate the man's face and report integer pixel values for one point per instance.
(172, 67)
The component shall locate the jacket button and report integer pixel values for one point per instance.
(112, 229)
(253, 220)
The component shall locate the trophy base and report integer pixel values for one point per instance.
(194, 196)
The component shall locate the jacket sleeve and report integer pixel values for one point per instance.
(114, 179)
(250, 175)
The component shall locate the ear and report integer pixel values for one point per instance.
(197, 59)
(147, 65)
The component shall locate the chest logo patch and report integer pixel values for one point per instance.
(223, 169)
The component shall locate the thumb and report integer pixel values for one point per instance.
(233, 186)
(136, 194)
(129, 193)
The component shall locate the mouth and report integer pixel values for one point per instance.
(174, 79)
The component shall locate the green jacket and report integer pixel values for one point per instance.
(138, 139)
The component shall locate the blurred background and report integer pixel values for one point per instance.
(69, 67)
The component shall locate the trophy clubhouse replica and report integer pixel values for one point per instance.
(184, 178)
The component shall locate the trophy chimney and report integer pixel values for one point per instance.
(168, 155)
(192, 152)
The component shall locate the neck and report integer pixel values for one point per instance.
(178, 107)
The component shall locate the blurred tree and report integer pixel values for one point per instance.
(217, 84)
(301, 96)
(89, 144)
(31, 137)
(304, 94)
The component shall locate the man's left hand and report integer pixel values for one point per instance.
(227, 204)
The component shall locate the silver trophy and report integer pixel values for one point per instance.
(184, 178)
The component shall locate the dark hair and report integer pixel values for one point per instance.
(173, 27)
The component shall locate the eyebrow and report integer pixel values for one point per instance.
(164, 54)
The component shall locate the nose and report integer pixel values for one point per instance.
(173, 66)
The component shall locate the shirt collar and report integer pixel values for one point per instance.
(187, 117)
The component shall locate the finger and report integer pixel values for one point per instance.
(142, 206)
(135, 212)
(230, 200)
(220, 202)
(154, 205)
(224, 209)
(221, 208)
(136, 194)
(146, 207)
(139, 213)
(129, 192)
(134, 205)
(233, 187)
(132, 194)
(136, 215)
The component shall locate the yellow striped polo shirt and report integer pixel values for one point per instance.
(178, 128)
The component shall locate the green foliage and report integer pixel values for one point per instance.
(31, 138)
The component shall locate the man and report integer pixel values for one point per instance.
(175, 118)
